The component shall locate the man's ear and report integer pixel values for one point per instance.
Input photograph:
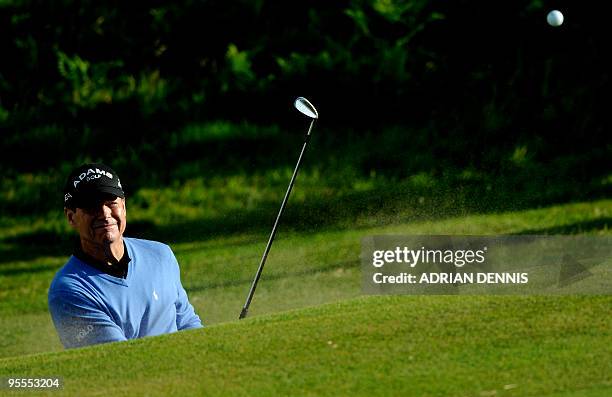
(70, 214)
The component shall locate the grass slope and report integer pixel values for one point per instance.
(423, 345)
(303, 269)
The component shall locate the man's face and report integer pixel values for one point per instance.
(99, 222)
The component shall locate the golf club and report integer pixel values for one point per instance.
(307, 109)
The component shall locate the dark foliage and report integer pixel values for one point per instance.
(477, 80)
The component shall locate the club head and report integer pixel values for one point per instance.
(304, 106)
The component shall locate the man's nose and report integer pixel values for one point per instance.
(103, 210)
(106, 210)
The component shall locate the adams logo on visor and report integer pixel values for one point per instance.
(88, 181)
(91, 174)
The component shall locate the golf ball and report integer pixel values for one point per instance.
(554, 18)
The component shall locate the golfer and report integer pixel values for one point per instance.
(113, 288)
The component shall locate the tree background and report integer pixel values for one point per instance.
(167, 91)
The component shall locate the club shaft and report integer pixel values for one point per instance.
(245, 309)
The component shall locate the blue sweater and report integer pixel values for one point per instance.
(88, 306)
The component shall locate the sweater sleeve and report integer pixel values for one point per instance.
(79, 322)
(186, 317)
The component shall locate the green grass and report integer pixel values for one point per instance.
(304, 268)
(422, 346)
(310, 331)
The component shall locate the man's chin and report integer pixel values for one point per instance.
(111, 237)
(108, 237)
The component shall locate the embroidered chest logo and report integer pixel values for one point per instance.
(155, 295)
